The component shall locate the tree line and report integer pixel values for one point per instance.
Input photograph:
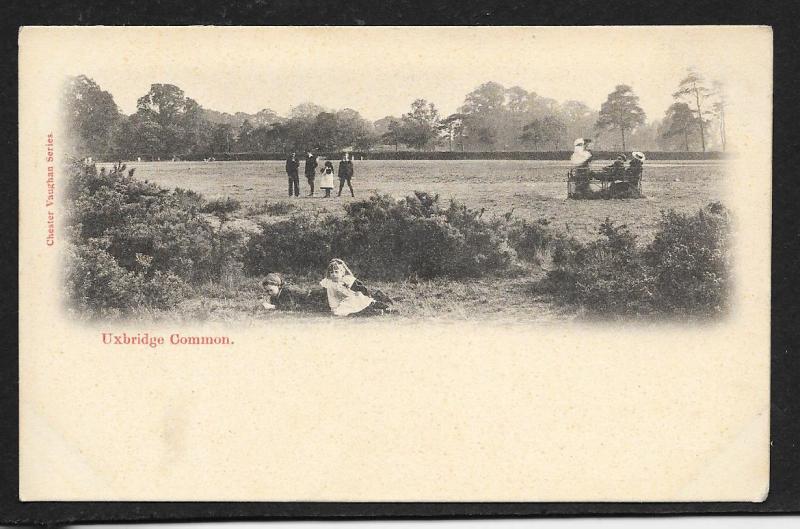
(167, 124)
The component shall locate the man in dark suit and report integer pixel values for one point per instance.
(310, 170)
(292, 168)
(345, 174)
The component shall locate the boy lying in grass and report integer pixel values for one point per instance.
(281, 296)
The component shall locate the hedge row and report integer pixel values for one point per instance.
(455, 155)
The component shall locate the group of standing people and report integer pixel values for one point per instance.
(327, 173)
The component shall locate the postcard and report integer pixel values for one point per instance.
(417, 264)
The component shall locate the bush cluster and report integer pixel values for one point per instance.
(684, 271)
(384, 238)
(133, 244)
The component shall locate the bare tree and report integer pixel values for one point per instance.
(719, 110)
(693, 87)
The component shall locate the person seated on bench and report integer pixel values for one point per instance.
(580, 159)
(634, 170)
(581, 155)
(615, 171)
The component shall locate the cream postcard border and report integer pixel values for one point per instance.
(376, 411)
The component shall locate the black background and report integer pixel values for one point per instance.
(784, 17)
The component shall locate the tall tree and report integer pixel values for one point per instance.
(306, 110)
(387, 130)
(222, 138)
(693, 88)
(244, 139)
(420, 127)
(518, 100)
(91, 117)
(678, 121)
(174, 119)
(621, 111)
(354, 130)
(718, 109)
(578, 119)
(543, 130)
(452, 128)
(533, 133)
(486, 114)
(488, 97)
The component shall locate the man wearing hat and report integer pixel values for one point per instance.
(292, 168)
(345, 174)
(310, 170)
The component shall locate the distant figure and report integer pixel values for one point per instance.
(345, 174)
(581, 155)
(616, 170)
(634, 171)
(586, 143)
(327, 178)
(580, 161)
(310, 170)
(292, 170)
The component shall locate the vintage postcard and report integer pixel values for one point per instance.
(418, 264)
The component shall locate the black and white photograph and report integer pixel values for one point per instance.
(339, 183)
(480, 243)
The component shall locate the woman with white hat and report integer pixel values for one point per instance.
(580, 159)
(634, 170)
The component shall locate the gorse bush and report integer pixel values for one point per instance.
(530, 239)
(386, 238)
(690, 261)
(97, 284)
(135, 244)
(684, 271)
(299, 244)
(221, 207)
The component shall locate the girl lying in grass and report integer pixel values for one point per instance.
(347, 295)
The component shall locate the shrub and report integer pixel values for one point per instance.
(123, 230)
(530, 239)
(684, 271)
(97, 285)
(221, 207)
(301, 243)
(384, 238)
(689, 257)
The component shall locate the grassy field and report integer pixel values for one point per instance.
(528, 189)
(532, 189)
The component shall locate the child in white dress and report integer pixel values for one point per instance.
(327, 178)
(347, 295)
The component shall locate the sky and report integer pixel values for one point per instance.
(379, 71)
